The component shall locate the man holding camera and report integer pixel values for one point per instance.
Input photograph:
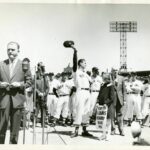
(12, 95)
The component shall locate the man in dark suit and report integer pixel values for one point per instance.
(118, 82)
(42, 90)
(12, 95)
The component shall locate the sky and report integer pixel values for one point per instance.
(41, 29)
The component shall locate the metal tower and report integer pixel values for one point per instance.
(123, 27)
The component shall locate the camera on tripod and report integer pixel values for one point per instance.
(41, 67)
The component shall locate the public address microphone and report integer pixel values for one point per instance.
(25, 64)
(69, 44)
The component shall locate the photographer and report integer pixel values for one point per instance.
(42, 89)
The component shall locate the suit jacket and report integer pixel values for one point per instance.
(106, 94)
(16, 94)
(42, 86)
(120, 90)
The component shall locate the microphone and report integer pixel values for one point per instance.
(68, 44)
(25, 67)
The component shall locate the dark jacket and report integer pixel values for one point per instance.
(120, 90)
(106, 94)
(42, 86)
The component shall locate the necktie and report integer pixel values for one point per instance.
(116, 83)
(11, 68)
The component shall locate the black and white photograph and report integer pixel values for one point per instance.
(75, 74)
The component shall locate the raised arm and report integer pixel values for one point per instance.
(75, 60)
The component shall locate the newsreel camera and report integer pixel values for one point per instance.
(41, 68)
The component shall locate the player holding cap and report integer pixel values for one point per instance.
(82, 101)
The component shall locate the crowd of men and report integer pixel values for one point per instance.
(68, 99)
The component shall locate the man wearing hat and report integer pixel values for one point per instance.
(57, 76)
(134, 106)
(62, 92)
(51, 99)
(128, 84)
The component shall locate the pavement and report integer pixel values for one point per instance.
(61, 136)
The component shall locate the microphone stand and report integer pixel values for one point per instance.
(24, 125)
(43, 116)
(44, 110)
(34, 109)
(24, 111)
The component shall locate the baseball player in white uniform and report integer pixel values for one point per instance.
(51, 99)
(146, 102)
(128, 85)
(82, 101)
(28, 104)
(134, 104)
(72, 111)
(62, 91)
(96, 82)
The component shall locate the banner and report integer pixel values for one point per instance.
(101, 117)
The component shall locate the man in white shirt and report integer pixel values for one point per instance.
(72, 111)
(135, 99)
(62, 91)
(51, 99)
(146, 103)
(95, 88)
(128, 97)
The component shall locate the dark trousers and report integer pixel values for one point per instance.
(111, 115)
(15, 118)
(119, 116)
(41, 107)
(117, 111)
